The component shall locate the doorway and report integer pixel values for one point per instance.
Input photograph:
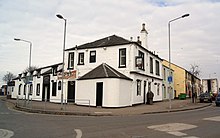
(71, 91)
(99, 93)
(46, 88)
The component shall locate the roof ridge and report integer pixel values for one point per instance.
(105, 71)
(112, 70)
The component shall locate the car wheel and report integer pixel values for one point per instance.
(201, 101)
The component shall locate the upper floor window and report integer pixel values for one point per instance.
(122, 57)
(81, 59)
(141, 54)
(157, 68)
(164, 74)
(151, 65)
(71, 60)
(92, 57)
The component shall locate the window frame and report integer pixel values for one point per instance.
(38, 89)
(158, 89)
(71, 60)
(141, 54)
(54, 88)
(151, 65)
(81, 58)
(138, 87)
(157, 67)
(92, 58)
(122, 56)
(19, 89)
(24, 91)
(30, 89)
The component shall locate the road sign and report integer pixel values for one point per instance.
(170, 79)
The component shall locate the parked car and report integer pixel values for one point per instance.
(217, 100)
(205, 97)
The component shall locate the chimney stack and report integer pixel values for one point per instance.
(144, 34)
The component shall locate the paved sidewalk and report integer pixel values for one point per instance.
(72, 109)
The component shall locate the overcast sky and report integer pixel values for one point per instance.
(194, 39)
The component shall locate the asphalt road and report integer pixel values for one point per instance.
(203, 123)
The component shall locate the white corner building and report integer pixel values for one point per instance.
(115, 72)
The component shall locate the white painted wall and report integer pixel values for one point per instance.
(116, 92)
(110, 55)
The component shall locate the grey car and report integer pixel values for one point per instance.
(205, 97)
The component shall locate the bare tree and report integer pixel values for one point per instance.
(195, 70)
(8, 77)
(30, 69)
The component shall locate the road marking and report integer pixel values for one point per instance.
(176, 133)
(103, 112)
(190, 137)
(4, 113)
(4, 133)
(78, 133)
(173, 128)
(216, 118)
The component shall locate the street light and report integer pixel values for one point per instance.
(64, 40)
(170, 77)
(17, 39)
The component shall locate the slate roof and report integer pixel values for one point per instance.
(104, 42)
(104, 71)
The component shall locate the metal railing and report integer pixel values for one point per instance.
(70, 105)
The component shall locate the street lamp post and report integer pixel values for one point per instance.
(17, 39)
(64, 41)
(183, 16)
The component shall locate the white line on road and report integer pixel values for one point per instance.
(216, 118)
(190, 137)
(173, 128)
(4, 133)
(176, 133)
(78, 133)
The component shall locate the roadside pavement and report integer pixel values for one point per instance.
(72, 109)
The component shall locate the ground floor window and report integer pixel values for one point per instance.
(24, 89)
(165, 92)
(138, 87)
(158, 89)
(38, 89)
(54, 89)
(19, 89)
(31, 89)
(149, 86)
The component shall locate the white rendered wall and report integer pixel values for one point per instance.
(116, 92)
